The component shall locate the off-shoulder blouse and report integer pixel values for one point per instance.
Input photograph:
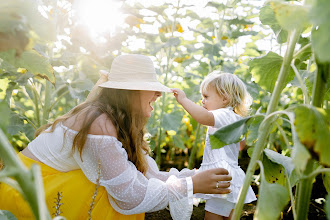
(129, 191)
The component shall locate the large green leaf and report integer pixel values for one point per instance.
(274, 172)
(267, 17)
(319, 16)
(229, 134)
(253, 131)
(32, 61)
(290, 16)
(265, 70)
(172, 121)
(16, 124)
(286, 162)
(272, 199)
(312, 128)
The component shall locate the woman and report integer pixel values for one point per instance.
(102, 140)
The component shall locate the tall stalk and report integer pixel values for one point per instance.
(158, 150)
(304, 191)
(265, 126)
(192, 156)
(46, 108)
(320, 82)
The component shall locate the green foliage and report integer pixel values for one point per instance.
(230, 134)
(327, 206)
(265, 70)
(31, 61)
(290, 16)
(185, 49)
(6, 215)
(319, 16)
(313, 131)
(272, 199)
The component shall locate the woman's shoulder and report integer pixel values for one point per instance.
(102, 125)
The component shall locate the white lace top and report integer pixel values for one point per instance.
(129, 191)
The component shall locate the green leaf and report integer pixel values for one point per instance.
(319, 16)
(6, 215)
(286, 162)
(326, 181)
(290, 16)
(265, 70)
(274, 172)
(16, 124)
(272, 199)
(253, 131)
(172, 42)
(312, 129)
(229, 134)
(218, 6)
(32, 61)
(5, 114)
(267, 17)
(172, 121)
(177, 140)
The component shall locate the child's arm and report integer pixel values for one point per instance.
(200, 114)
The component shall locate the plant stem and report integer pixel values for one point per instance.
(192, 156)
(286, 140)
(304, 192)
(46, 107)
(291, 197)
(36, 105)
(265, 126)
(301, 82)
(158, 153)
(58, 99)
(307, 46)
(322, 76)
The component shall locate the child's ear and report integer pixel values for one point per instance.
(225, 100)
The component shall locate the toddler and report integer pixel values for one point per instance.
(225, 100)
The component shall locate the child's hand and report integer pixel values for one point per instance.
(179, 94)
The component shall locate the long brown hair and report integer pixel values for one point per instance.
(117, 104)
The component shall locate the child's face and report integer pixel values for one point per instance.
(212, 100)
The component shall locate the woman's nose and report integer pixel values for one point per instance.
(158, 94)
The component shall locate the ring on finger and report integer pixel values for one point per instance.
(217, 186)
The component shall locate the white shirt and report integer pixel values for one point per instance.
(129, 191)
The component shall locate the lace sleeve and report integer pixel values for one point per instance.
(130, 192)
(153, 171)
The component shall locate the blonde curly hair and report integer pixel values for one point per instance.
(229, 86)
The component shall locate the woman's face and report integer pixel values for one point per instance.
(147, 98)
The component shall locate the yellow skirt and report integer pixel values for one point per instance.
(76, 190)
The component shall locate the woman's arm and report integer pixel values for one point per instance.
(200, 114)
(130, 192)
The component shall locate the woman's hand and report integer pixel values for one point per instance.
(207, 181)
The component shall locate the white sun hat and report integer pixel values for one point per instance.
(133, 72)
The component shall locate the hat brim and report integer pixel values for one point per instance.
(149, 86)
